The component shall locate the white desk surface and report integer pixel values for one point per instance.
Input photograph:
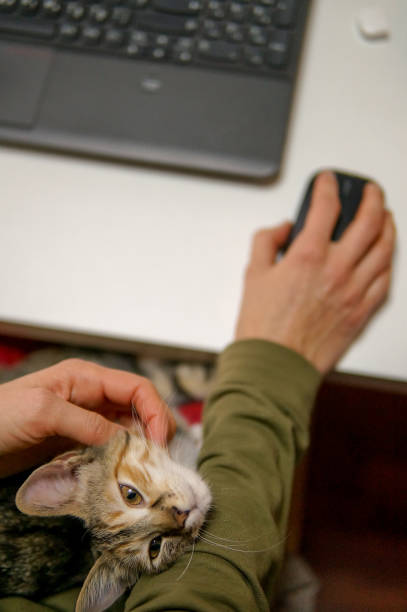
(156, 256)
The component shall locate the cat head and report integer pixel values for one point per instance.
(142, 509)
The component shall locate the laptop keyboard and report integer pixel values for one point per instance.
(245, 35)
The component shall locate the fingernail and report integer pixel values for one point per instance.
(374, 187)
(330, 176)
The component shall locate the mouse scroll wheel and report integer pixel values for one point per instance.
(346, 187)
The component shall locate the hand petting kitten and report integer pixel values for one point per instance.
(52, 410)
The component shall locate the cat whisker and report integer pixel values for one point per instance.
(138, 424)
(231, 540)
(188, 564)
(234, 549)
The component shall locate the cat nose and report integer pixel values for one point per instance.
(180, 515)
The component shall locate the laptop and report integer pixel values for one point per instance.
(198, 84)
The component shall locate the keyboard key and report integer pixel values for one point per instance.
(216, 9)
(162, 40)
(183, 56)
(26, 27)
(52, 8)
(212, 29)
(91, 34)
(180, 7)
(98, 13)
(114, 37)
(159, 53)
(285, 13)
(134, 50)
(278, 48)
(7, 6)
(169, 24)
(121, 15)
(187, 44)
(218, 50)
(258, 35)
(262, 15)
(75, 10)
(183, 50)
(69, 31)
(234, 32)
(29, 7)
(254, 56)
(139, 38)
(238, 11)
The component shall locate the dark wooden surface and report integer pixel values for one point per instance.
(355, 525)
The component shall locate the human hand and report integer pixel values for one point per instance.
(321, 294)
(75, 401)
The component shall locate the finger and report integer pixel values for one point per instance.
(92, 386)
(366, 226)
(56, 417)
(323, 212)
(378, 258)
(266, 244)
(375, 297)
(158, 420)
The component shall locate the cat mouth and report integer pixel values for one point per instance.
(194, 522)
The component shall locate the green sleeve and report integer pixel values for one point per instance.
(256, 424)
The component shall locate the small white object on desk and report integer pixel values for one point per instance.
(373, 22)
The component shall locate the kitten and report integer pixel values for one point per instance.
(142, 510)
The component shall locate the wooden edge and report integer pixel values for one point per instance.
(121, 345)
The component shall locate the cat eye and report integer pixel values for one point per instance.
(155, 547)
(130, 495)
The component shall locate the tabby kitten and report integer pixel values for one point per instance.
(141, 509)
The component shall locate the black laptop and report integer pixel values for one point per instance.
(198, 84)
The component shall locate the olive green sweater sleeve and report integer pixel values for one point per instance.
(256, 424)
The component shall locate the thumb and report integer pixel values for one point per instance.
(266, 244)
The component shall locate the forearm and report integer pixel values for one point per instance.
(255, 425)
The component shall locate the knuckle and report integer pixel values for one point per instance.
(374, 222)
(73, 364)
(354, 316)
(384, 286)
(309, 254)
(97, 424)
(148, 385)
(336, 275)
(351, 300)
(387, 251)
(260, 234)
(145, 389)
(40, 401)
(354, 319)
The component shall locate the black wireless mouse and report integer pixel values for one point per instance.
(350, 195)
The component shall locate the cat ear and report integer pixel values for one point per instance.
(51, 489)
(104, 584)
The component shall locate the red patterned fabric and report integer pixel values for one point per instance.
(10, 355)
(192, 412)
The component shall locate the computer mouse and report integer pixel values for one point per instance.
(350, 195)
